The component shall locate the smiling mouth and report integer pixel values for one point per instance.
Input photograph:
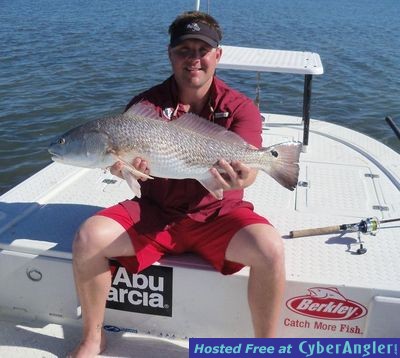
(193, 69)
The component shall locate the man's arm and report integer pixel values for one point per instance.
(247, 124)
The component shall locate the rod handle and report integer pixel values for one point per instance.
(316, 231)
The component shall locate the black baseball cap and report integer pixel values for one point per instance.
(195, 30)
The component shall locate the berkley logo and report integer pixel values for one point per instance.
(326, 303)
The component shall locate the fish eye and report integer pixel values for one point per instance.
(61, 141)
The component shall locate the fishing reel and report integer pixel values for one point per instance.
(369, 226)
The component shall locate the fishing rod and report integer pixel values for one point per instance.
(366, 226)
(392, 125)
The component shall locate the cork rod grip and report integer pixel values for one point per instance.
(316, 231)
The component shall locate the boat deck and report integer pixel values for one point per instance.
(22, 338)
(345, 176)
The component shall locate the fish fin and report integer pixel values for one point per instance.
(199, 125)
(143, 109)
(281, 163)
(213, 186)
(132, 181)
(134, 171)
(189, 121)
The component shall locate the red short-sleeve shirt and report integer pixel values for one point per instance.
(187, 197)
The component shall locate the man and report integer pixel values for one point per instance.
(174, 216)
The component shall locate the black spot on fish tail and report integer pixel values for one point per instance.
(285, 168)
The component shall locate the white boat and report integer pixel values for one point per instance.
(336, 286)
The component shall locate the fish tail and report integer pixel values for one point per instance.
(281, 163)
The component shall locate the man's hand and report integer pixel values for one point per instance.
(236, 175)
(138, 163)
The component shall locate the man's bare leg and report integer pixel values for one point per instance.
(98, 239)
(260, 247)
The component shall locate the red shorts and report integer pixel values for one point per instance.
(208, 239)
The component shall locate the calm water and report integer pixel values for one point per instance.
(64, 62)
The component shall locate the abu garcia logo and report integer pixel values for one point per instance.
(137, 289)
(326, 303)
(147, 292)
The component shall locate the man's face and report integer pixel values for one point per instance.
(194, 63)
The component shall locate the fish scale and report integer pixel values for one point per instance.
(184, 148)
